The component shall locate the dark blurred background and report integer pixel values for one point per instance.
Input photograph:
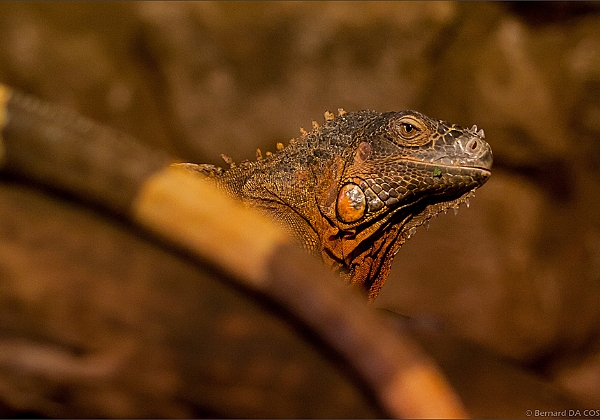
(518, 272)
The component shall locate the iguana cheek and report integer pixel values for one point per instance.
(351, 203)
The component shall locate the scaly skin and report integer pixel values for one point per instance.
(354, 190)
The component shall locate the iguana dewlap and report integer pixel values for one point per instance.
(354, 189)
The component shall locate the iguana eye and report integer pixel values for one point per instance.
(408, 130)
(411, 131)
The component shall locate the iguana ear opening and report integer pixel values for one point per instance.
(363, 153)
(351, 203)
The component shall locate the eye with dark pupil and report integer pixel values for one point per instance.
(408, 130)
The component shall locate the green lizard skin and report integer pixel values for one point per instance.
(354, 189)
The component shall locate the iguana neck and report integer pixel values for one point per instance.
(288, 186)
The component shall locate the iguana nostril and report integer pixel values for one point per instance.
(473, 145)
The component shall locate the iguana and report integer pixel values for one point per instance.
(354, 189)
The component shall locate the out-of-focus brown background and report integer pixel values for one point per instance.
(518, 272)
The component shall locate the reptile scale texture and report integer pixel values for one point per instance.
(354, 189)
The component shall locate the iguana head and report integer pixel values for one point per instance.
(355, 188)
(397, 170)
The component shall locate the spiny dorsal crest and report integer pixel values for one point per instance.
(228, 160)
(329, 116)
